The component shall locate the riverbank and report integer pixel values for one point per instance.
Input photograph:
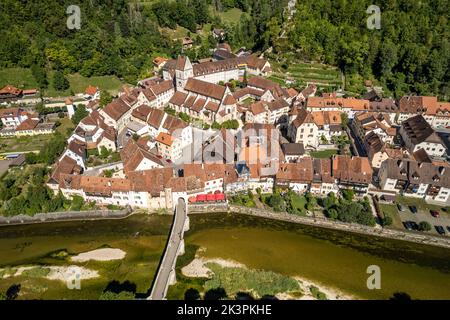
(440, 241)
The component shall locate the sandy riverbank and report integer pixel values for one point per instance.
(197, 268)
(105, 254)
(58, 272)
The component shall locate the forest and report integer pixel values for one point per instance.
(410, 53)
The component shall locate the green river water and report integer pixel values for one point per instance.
(331, 258)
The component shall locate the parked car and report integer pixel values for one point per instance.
(400, 207)
(407, 225)
(440, 229)
(413, 209)
(434, 213)
(448, 228)
(414, 225)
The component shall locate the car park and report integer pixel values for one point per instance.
(440, 229)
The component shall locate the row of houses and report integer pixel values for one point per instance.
(18, 122)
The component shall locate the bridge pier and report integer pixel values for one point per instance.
(181, 248)
(172, 278)
(186, 224)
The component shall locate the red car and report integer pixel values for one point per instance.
(434, 213)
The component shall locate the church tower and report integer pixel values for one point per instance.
(183, 71)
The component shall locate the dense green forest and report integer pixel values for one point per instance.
(409, 54)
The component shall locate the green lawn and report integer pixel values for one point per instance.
(23, 144)
(391, 211)
(419, 203)
(19, 77)
(229, 16)
(323, 154)
(23, 79)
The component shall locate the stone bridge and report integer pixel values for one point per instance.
(166, 275)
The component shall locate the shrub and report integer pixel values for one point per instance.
(424, 226)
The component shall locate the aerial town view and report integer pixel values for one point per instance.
(225, 150)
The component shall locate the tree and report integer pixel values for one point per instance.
(124, 295)
(80, 114)
(348, 194)
(386, 221)
(424, 226)
(77, 203)
(105, 98)
(60, 83)
(344, 120)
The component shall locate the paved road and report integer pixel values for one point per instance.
(176, 235)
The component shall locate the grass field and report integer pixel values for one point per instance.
(391, 211)
(323, 154)
(230, 16)
(22, 78)
(23, 144)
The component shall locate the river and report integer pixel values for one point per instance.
(332, 258)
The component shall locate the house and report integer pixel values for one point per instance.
(32, 127)
(268, 89)
(417, 134)
(378, 123)
(257, 66)
(293, 151)
(117, 114)
(274, 112)
(136, 157)
(218, 33)
(323, 182)
(350, 106)
(12, 117)
(159, 62)
(76, 150)
(156, 95)
(10, 93)
(352, 173)
(306, 93)
(92, 93)
(187, 43)
(95, 133)
(168, 146)
(314, 128)
(416, 179)
(378, 151)
(295, 176)
(206, 101)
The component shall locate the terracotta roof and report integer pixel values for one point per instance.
(205, 88)
(116, 109)
(178, 98)
(212, 106)
(257, 107)
(159, 61)
(417, 104)
(354, 104)
(254, 62)
(352, 169)
(10, 112)
(155, 118)
(229, 100)
(300, 172)
(90, 90)
(133, 154)
(180, 63)
(142, 112)
(164, 138)
(172, 123)
(66, 165)
(161, 87)
(10, 90)
(153, 181)
(322, 170)
(198, 105)
(28, 124)
(78, 147)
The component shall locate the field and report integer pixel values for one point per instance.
(32, 143)
(20, 77)
(23, 79)
(230, 16)
(304, 73)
